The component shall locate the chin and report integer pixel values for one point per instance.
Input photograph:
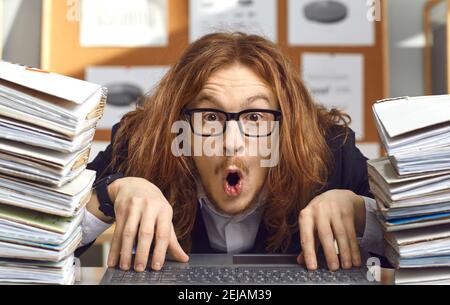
(233, 206)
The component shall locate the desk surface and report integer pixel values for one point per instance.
(93, 276)
(90, 275)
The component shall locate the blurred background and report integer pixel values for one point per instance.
(350, 53)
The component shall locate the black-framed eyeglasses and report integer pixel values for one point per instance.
(207, 122)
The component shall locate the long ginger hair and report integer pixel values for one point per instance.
(305, 159)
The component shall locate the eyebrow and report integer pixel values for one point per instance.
(255, 98)
(246, 103)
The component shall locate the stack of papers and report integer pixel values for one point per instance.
(419, 248)
(38, 236)
(400, 197)
(62, 201)
(58, 103)
(40, 164)
(412, 186)
(423, 276)
(47, 124)
(37, 136)
(38, 272)
(415, 132)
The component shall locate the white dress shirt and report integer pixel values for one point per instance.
(237, 233)
(230, 233)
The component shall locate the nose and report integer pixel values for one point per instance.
(234, 143)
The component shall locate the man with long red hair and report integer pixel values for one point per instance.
(227, 86)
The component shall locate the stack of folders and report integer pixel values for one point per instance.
(47, 124)
(412, 186)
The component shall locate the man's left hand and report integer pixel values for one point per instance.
(334, 215)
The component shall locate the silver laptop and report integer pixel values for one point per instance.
(242, 269)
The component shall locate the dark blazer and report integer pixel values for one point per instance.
(349, 172)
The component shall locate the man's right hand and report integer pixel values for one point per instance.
(142, 210)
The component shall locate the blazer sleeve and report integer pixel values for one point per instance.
(349, 165)
(100, 164)
(348, 170)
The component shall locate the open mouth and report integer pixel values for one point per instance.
(233, 183)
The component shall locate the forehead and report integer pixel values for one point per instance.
(236, 76)
(237, 84)
(233, 86)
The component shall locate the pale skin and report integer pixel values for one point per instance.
(143, 212)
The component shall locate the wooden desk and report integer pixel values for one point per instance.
(90, 275)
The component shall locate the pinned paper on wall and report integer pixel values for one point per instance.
(330, 22)
(337, 81)
(249, 16)
(118, 23)
(127, 88)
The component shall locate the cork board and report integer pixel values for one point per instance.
(62, 53)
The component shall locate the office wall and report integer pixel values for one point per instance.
(21, 27)
(406, 47)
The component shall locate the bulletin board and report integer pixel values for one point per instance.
(62, 53)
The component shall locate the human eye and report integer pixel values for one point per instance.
(254, 117)
(210, 117)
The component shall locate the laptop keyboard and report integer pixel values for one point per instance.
(237, 275)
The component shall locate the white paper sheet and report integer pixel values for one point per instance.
(250, 16)
(400, 116)
(41, 272)
(118, 23)
(337, 80)
(347, 23)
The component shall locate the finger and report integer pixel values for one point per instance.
(301, 256)
(128, 237)
(175, 249)
(145, 238)
(340, 233)
(353, 241)
(301, 259)
(163, 232)
(327, 242)
(116, 242)
(306, 223)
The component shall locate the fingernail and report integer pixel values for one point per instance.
(157, 265)
(140, 267)
(124, 266)
(334, 266)
(112, 262)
